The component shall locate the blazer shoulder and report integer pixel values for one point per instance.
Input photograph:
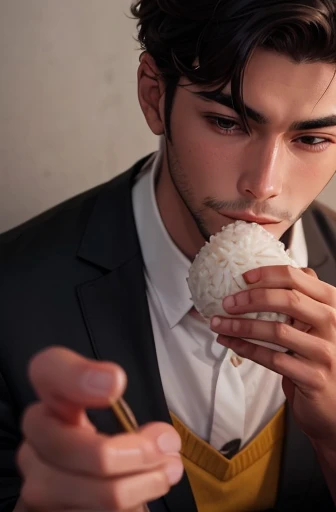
(72, 213)
(52, 240)
(49, 237)
(329, 213)
(51, 216)
(58, 217)
(325, 220)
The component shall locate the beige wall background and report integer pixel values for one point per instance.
(69, 117)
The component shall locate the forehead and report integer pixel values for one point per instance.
(283, 90)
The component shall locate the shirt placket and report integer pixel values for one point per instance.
(228, 406)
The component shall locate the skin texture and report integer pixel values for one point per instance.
(275, 172)
(67, 464)
(271, 173)
(310, 372)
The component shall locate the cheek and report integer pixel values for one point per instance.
(309, 179)
(211, 169)
(210, 160)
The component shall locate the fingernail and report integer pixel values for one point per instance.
(229, 302)
(98, 383)
(216, 321)
(169, 443)
(252, 276)
(174, 472)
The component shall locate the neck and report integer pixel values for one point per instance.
(175, 215)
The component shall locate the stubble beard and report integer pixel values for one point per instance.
(185, 192)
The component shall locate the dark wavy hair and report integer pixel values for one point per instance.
(210, 42)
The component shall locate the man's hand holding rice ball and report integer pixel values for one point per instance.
(265, 303)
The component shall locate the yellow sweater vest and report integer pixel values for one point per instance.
(247, 482)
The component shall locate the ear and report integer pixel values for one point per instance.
(151, 91)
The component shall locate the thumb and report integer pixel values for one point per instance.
(68, 383)
(309, 272)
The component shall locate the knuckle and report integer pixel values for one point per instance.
(293, 298)
(259, 295)
(331, 318)
(281, 331)
(119, 497)
(160, 483)
(105, 457)
(159, 486)
(327, 355)
(124, 495)
(320, 380)
(263, 272)
(248, 329)
(149, 453)
(108, 459)
(332, 298)
(24, 458)
(277, 361)
(309, 272)
(30, 416)
(38, 362)
(290, 272)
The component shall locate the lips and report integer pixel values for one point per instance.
(252, 218)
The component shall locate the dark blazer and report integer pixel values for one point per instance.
(74, 277)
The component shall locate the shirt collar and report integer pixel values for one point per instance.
(166, 266)
(298, 245)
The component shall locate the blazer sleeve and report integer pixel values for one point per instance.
(10, 439)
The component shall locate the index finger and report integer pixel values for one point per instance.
(81, 451)
(67, 382)
(287, 277)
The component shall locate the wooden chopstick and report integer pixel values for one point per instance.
(124, 415)
(127, 420)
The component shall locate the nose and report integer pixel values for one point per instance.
(263, 174)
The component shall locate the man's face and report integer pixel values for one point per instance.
(270, 176)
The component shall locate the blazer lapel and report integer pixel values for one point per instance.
(300, 468)
(298, 465)
(116, 313)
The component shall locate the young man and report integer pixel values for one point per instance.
(243, 96)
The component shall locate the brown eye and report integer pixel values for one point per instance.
(225, 124)
(312, 141)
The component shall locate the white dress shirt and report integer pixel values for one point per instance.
(215, 399)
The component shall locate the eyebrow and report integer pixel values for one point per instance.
(227, 101)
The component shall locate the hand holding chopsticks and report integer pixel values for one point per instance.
(67, 464)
